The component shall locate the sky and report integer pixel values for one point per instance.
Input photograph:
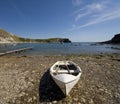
(78, 20)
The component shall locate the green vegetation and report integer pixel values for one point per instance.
(50, 40)
(55, 40)
(8, 37)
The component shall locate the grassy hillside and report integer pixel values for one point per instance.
(5, 36)
(8, 37)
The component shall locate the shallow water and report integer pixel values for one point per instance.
(60, 49)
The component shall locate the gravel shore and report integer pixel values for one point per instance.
(26, 80)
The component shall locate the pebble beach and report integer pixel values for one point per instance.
(26, 80)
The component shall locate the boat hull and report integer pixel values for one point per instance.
(66, 86)
(65, 74)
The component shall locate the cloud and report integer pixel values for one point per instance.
(102, 18)
(95, 7)
(88, 9)
(79, 16)
(95, 13)
(76, 2)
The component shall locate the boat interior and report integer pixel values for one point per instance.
(66, 69)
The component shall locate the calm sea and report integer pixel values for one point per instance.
(62, 49)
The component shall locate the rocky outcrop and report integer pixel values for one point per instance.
(65, 40)
(114, 40)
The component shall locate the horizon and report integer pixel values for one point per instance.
(57, 37)
(78, 20)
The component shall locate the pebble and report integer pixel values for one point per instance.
(34, 98)
(18, 80)
(29, 100)
(75, 99)
(83, 100)
(54, 102)
(22, 94)
(91, 101)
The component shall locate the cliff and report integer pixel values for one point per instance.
(114, 40)
(6, 37)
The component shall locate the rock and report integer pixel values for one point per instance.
(29, 100)
(34, 98)
(99, 82)
(54, 102)
(83, 100)
(91, 101)
(75, 99)
(114, 40)
(22, 94)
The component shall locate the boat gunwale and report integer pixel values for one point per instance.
(57, 63)
(61, 82)
(69, 81)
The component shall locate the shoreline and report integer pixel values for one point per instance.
(94, 55)
(25, 79)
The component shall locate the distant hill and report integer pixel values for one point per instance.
(114, 40)
(6, 37)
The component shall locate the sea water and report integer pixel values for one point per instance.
(62, 49)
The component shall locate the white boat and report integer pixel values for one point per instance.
(65, 74)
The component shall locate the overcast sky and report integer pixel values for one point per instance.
(79, 20)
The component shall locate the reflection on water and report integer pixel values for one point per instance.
(60, 49)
